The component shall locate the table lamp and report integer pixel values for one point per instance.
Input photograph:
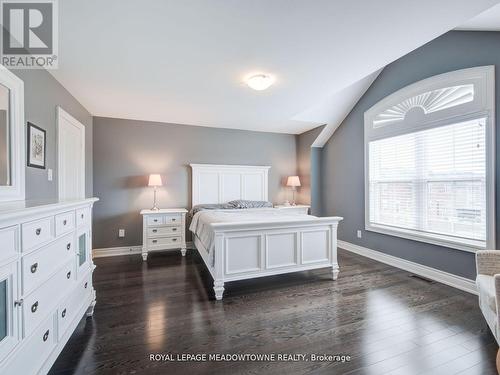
(155, 181)
(293, 182)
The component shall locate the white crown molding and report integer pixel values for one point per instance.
(443, 277)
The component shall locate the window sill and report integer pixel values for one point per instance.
(434, 239)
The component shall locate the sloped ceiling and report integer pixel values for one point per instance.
(185, 61)
(486, 21)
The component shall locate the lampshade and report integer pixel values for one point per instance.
(155, 180)
(293, 181)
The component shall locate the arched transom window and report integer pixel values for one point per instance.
(429, 161)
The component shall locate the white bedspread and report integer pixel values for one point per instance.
(201, 228)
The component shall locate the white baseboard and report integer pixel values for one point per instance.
(116, 251)
(449, 279)
(126, 250)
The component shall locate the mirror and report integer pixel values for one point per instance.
(12, 137)
(5, 165)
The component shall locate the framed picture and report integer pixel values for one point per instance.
(36, 146)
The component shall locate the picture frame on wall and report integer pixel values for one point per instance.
(37, 142)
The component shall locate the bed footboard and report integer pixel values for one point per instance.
(250, 250)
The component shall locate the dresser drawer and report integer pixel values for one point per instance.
(164, 231)
(45, 299)
(83, 216)
(39, 265)
(65, 222)
(36, 233)
(70, 306)
(165, 241)
(37, 348)
(9, 242)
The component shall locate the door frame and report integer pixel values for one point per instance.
(60, 115)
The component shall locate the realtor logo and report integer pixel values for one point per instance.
(29, 34)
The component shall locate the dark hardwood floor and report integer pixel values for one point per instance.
(386, 320)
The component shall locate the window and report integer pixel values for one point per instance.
(429, 161)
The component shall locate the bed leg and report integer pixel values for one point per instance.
(335, 271)
(218, 289)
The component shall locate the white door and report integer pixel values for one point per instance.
(71, 156)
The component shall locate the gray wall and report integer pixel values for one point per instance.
(42, 93)
(304, 142)
(343, 168)
(308, 169)
(317, 207)
(127, 151)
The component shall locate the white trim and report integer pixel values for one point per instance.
(482, 106)
(61, 113)
(124, 250)
(15, 191)
(443, 277)
(116, 251)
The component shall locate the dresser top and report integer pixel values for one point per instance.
(21, 208)
(164, 211)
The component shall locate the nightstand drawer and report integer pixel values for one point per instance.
(164, 241)
(173, 219)
(164, 231)
(155, 220)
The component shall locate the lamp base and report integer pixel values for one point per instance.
(154, 208)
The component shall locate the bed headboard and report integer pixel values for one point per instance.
(213, 183)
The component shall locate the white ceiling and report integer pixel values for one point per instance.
(184, 61)
(486, 21)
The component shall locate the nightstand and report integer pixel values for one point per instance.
(163, 229)
(298, 209)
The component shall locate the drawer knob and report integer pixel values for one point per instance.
(63, 314)
(155, 220)
(38, 231)
(68, 275)
(46, 336)
(154, 231)
(154, 241)
(18, 302)
(174, 229)
(174, 239)
(173, 219)
(68, 246)
(65, 222)
(34, 307)
(34, 267)
(81, 216)
(86, 285)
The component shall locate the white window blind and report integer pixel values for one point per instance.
(430, 161)
(431, 181)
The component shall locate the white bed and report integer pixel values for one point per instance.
(250, 243)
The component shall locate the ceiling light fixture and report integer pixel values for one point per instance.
(260, 82)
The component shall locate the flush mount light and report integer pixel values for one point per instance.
(260, 82)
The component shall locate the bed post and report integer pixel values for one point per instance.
(219, 266)
(333, 244)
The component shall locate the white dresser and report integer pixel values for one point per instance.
(45, 280)
(163, 229)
